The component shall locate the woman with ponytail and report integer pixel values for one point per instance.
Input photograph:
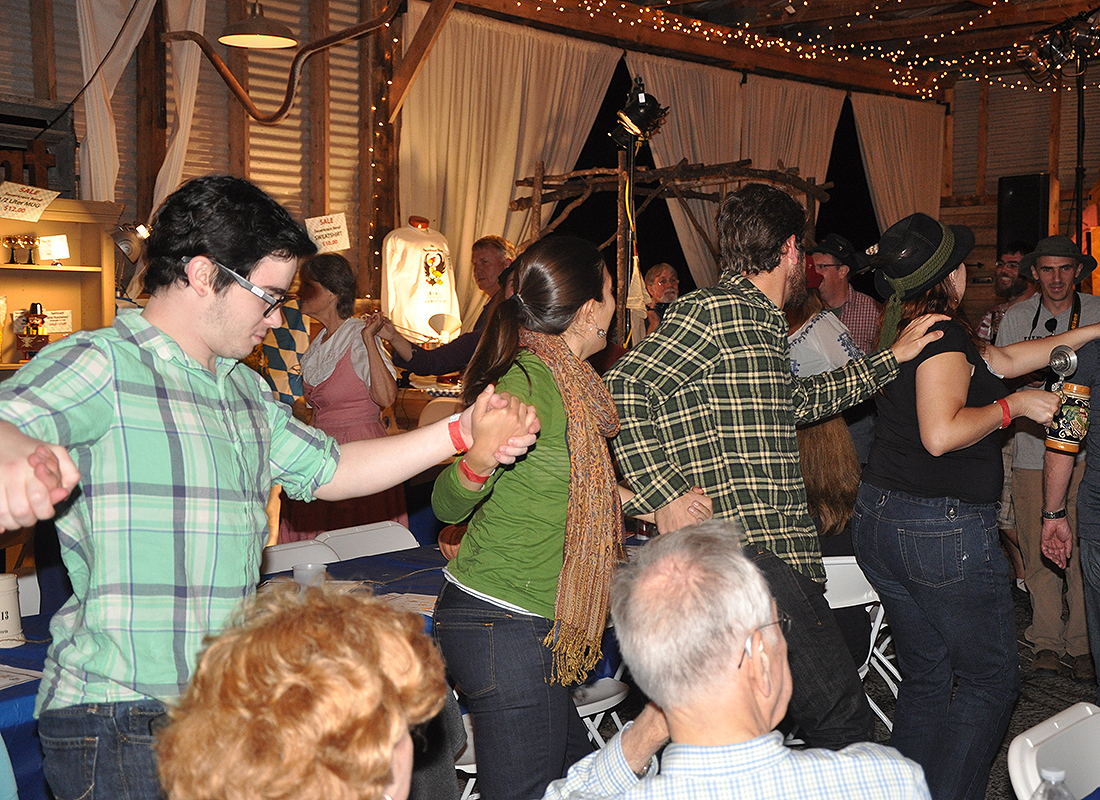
(522, 612)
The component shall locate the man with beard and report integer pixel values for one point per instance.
(662, 284)
(1010, 285)
(709, 401)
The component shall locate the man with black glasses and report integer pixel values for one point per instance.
(157, 450)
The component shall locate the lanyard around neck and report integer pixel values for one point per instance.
(1074, 319)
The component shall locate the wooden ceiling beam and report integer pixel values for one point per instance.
(841, 9)
(1035, 16)
(642, 35)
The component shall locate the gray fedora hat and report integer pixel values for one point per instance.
(843, 251)
(1061, 247)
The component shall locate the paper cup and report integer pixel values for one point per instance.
(11, 624)
(307, 575)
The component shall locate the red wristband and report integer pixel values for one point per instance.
(1006, 416)
(469, 474)
(456, 434)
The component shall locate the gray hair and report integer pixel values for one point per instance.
(683, 607)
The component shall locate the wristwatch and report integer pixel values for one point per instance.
(1059, 514)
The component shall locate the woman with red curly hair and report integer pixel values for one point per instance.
(307, 696)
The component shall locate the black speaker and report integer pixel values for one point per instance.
(1023, 209)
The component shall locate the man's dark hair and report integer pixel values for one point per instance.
(1016, 246)
(754, 223)
(225, 218)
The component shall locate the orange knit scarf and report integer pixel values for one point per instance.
(594, 517)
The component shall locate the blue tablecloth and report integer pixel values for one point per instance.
(17, 724)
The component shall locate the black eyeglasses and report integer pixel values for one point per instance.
(1008, 264)
(782, 619)
(273, 302)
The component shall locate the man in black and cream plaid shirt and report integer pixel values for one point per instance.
(709, 401)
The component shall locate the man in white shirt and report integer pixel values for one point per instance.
(702, 637)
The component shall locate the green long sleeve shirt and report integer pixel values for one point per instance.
(513, 547)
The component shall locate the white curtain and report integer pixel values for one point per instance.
(492, 100)
(703, 126)
(901, 142)
(99, 22)
(186, 57)
(789, 122)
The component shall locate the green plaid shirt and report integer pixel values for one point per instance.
(162, 537)
(709, 400)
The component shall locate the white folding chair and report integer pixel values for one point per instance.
(368, 540)
(846, 586)
(1069, 740)
(281, 557)
(594, 700)
(466, 762)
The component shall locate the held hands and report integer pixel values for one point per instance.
(915, 336)
(498, 429)
(373, 327)
(1057, 544)
(1038, 406)
(34, 477)
(688, 509)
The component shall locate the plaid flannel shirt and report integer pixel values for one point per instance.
(860, 315)
(162, 536)
(709, 400)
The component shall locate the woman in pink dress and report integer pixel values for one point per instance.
(348, 380)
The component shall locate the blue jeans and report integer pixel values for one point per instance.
(943, 579)
(104, 751)
(527, 732)
(827, 702)
(1090, 573)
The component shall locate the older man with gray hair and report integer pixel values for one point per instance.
(703, 639)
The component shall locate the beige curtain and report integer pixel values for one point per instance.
(789, 123)
(491, 101)
(99, 22)
(704, 126)
(901, 142)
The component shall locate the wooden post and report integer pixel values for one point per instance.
(151, 111)
(320, 114)
(622, 254)
(983, 138)
(240, 124)
(377, 150)
(43, 55)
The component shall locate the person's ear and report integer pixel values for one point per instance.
(761, 673)
(201, 274)
(1077, 272)
(843, 274)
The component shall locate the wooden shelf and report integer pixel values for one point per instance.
(54, 267)
(86, 286)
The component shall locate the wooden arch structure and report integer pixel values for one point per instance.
(682, 181)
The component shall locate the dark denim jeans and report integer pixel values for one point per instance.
(102, 752)
(943, 579)
(527, 732)
(1090, 573)
(828, 702)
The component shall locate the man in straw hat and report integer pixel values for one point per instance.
(709, 400)
(1057, 265)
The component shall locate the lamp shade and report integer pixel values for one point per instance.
(257, 32)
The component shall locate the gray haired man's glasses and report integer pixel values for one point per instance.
(273, 302)
(782, 619)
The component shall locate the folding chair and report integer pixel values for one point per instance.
(847, 586)
(1068, 741)
(368, 540)
(594, 700)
